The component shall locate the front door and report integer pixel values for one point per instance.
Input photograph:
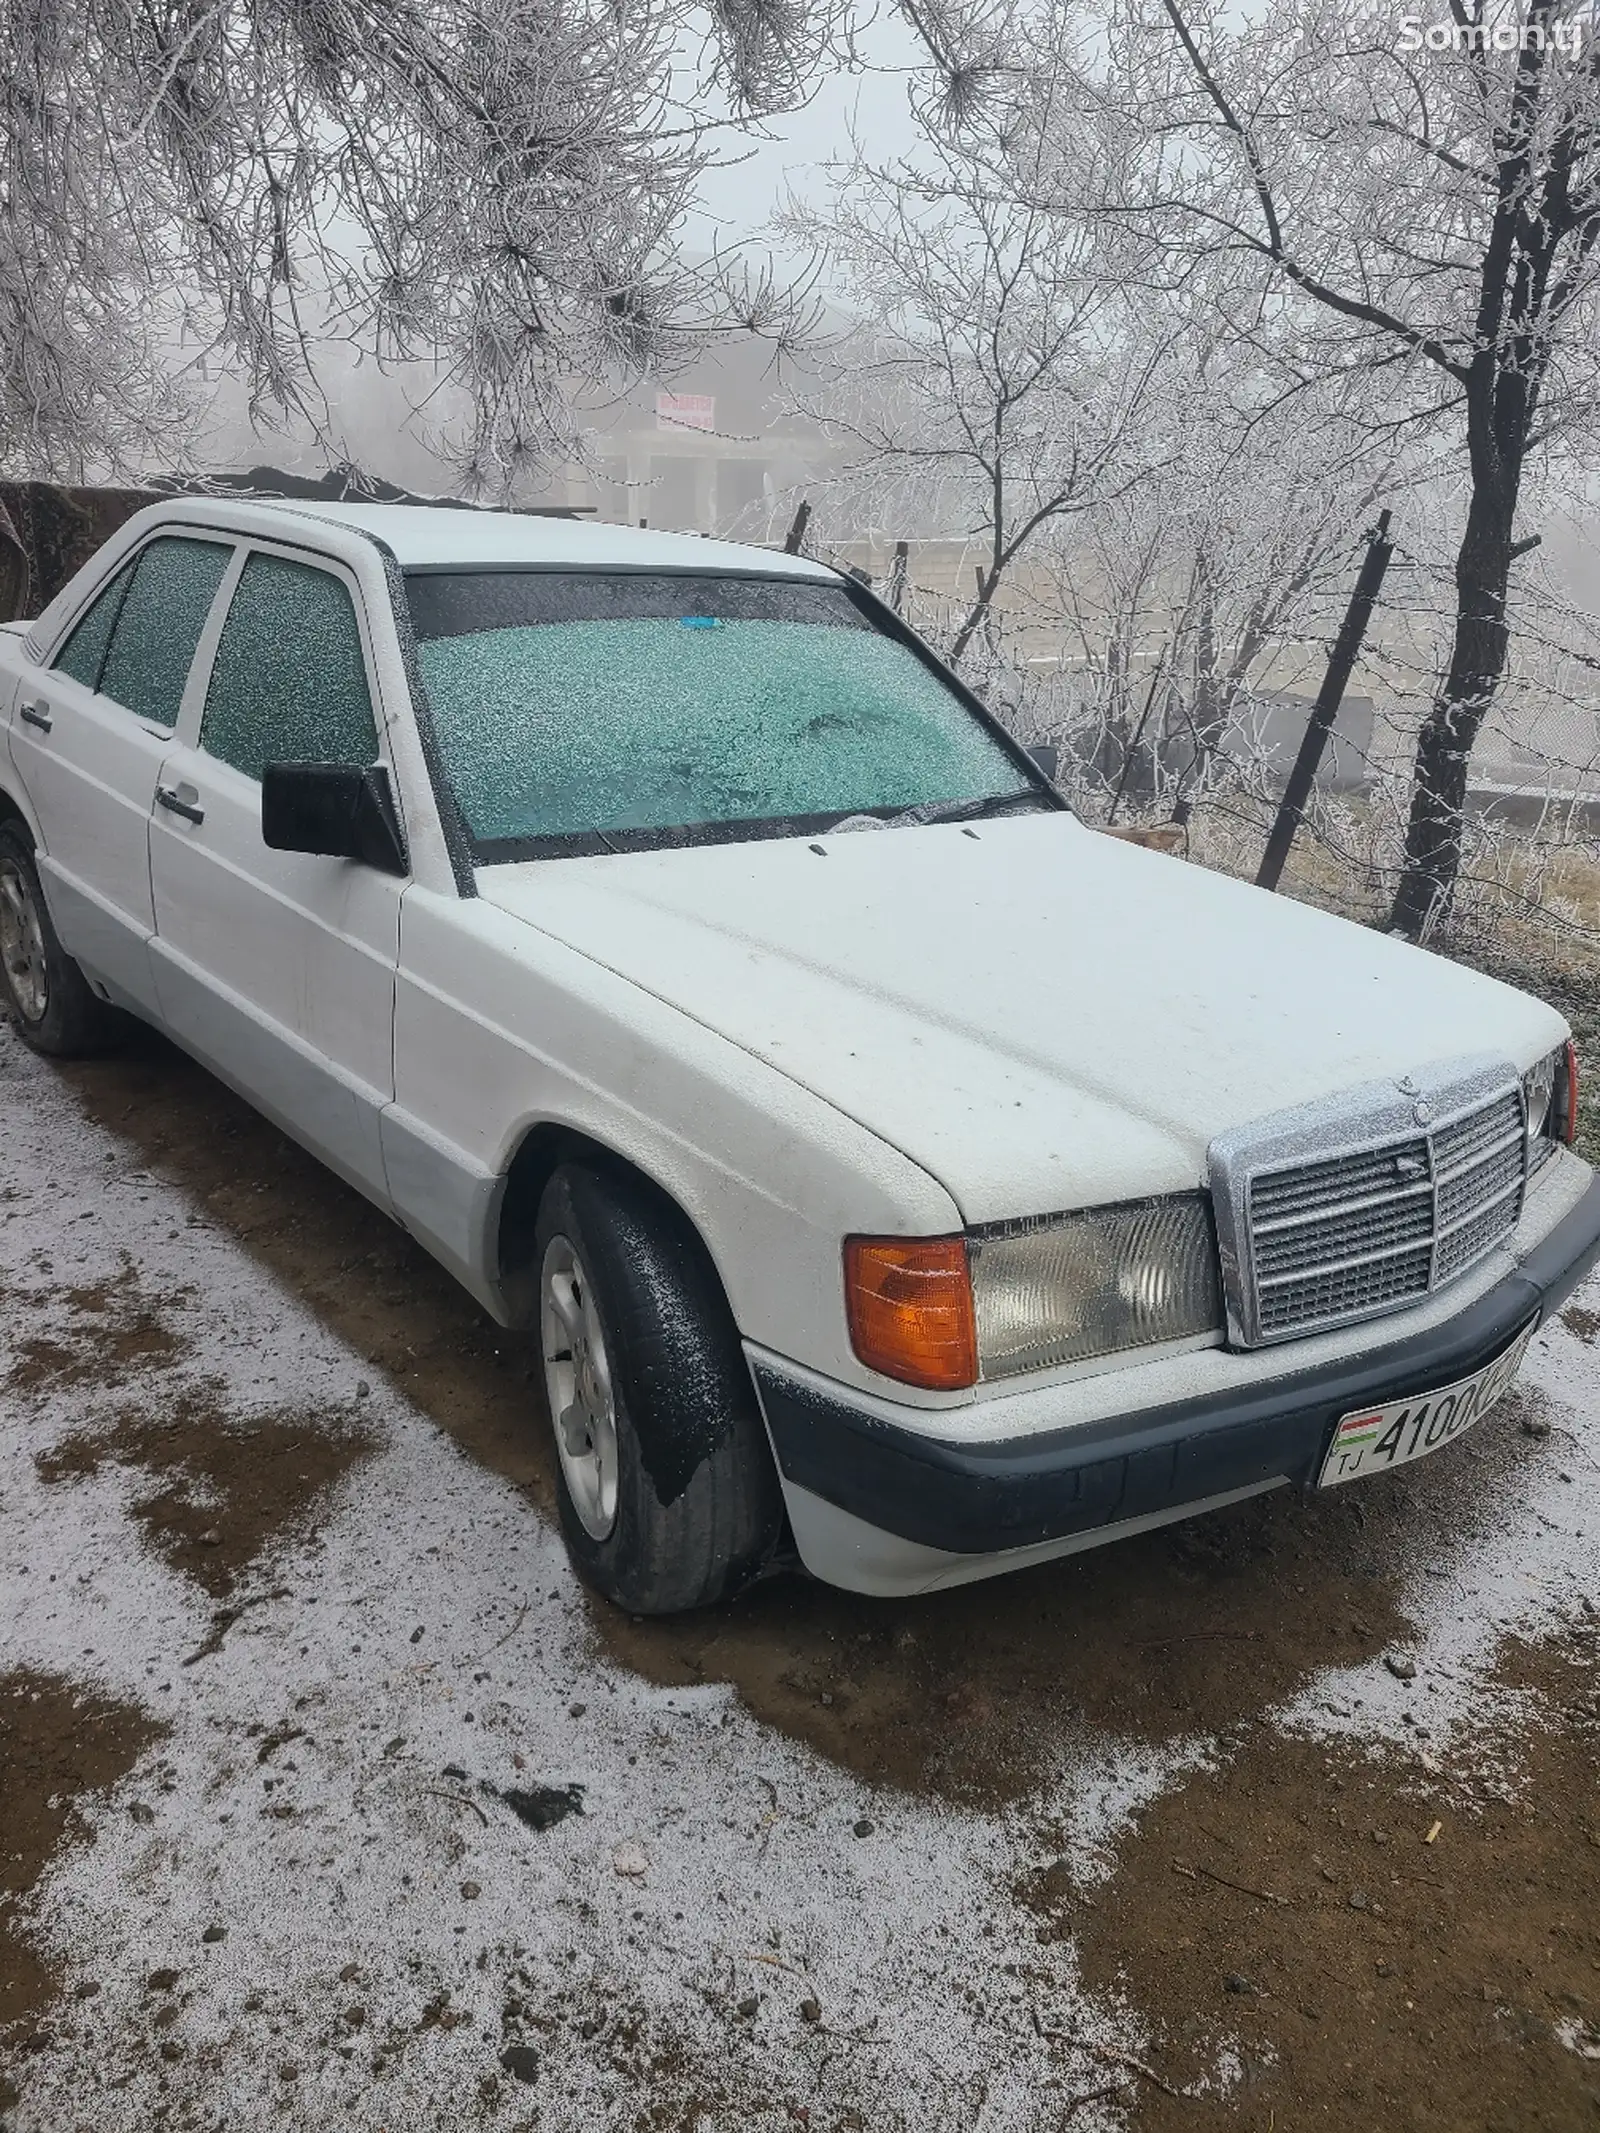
(88, 736)
(278, 968)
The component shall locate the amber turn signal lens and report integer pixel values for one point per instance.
(909, 1304)
(1568, 1121)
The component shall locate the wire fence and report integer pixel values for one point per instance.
(1144, 729)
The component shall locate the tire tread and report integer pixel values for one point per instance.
(684, 1391)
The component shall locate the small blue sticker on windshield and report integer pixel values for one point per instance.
(701, 622)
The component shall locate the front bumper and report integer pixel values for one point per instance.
(1018, 1493)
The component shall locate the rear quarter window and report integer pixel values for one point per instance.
(159, 622)
(84, 653)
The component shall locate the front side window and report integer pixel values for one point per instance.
(289, 682)
(630, 709)
(159, 622)
(84, 652)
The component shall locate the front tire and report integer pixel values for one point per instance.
(47, 994)
(669, 1497)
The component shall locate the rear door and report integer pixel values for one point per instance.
(88, 735)
(278, 968)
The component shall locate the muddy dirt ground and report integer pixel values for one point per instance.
(327, 1797)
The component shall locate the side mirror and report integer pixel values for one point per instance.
(1048, 759)
(335, 809)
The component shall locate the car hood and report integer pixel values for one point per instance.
(1040, 1016)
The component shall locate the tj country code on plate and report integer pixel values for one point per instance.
(1377, 1438)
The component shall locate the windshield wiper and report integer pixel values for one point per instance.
(966, 810)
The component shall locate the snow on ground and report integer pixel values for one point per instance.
(713, 1863)
(733, 1930)
(1522, 1554)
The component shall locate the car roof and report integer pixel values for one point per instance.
(424, 537)
(421, 535)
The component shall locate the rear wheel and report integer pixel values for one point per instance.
(48, 995)
(669, 1498)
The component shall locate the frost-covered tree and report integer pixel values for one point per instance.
(498, 183)
(990, 385)
(1207, 588)
(1160, 497)
(1419, 199)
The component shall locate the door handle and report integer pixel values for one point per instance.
(170, 800)
(36, 715)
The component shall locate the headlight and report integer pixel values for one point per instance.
(1550, 1091)
(1065, 1288)
(1538, 1090)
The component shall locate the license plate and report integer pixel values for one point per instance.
(1377, 1438)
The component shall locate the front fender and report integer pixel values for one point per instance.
(13, 794)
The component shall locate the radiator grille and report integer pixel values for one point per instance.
(1351, 1235)
(1343, 1178)
(1471, 1240)
(1463, 1139)
(1371, 1225)
(1491, 1177)
(1341, 1292)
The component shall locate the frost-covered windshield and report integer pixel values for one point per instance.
(621, 709)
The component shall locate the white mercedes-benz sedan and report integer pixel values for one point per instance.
(895, 1173)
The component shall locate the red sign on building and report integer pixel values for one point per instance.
(685, 411)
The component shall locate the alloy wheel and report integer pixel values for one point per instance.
(577, 1376)
(22, 950)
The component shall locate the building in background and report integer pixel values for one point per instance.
(715, 451)
(712, 450)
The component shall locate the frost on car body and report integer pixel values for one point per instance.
(885, 1162)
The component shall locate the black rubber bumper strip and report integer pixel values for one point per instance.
(975, 1499)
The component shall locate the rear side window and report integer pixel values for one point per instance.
(289, 683)
(83, 654)
(163, 612)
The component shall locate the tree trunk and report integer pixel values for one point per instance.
(1207, 718)
(977, 614)
(1477, 661)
